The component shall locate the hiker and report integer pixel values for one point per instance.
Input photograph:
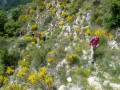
(44, 38)
(94, 43)
(33, 34)
(24, 32)
(39, 35)
(20, 33)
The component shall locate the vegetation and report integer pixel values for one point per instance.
(62, 58)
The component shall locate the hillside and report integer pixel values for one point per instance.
(62, 62)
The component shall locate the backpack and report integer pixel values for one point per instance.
(95, 40)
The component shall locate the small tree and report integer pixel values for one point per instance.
(11, 27)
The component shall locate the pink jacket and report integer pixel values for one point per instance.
(95, 41)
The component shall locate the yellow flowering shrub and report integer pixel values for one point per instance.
(28, 39)
(42, 34)
(32, 19)
(41, 8)
(100, 32)
(51, 56)
(82, 72)
(34, 39)
(49, 81)
(33, 78)
(66, 7)
(51, 60)
(33, 43)
(9, 70)
(78, 49)
(61, 23)
(23, 18)
(88, 31)
(59, 36)
(111, 36)
(81, 12)
(70, 18)
(3, 80)
(77, 30)
(34, 27)
(72, 58)
(49, 5)
(32, 11)
(87, 7)
(23, 72)
(23, 63)
(70, 37)
(14, 87)
(64, 14)
(40, 42)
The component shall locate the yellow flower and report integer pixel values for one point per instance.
(33, 78)
(28, 39)
(87, 7)
(64, 14)
(9, 70)
(22, 72)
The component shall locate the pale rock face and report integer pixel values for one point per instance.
(84, 52)
(106, 82)
(75, 88)
(64, 61)
(68, 48)
(115, 86)
(66, 34)
(69, 79)
(62, 87)
(113, 44)
(94, 81)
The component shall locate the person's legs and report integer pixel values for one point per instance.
(92, 53)
(93, 49)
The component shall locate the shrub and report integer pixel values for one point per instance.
(9, 70)
(28, 39)
(41, 8)
(112, 18)
(34, 39)
(70, 18)
(32, 11)
(78, 49)
(72, 58)
(34, 27)
(40, 42)
(22, 43)
(49, 5)
(64, 14)
(87, 7)
(3, 80)
(23, 72)
(48, 20)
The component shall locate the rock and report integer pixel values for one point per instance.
(62, 87)
(69, 79)
(106, 82)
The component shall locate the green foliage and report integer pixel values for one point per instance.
(34, 39)
(3, 20)
(21, 44)
(15, 13)
(34, 27)
(11, 27)
(112, 18)
(12, 4)
(48, 20)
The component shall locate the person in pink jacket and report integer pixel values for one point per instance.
(93, 44)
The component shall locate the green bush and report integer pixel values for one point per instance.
(22, 44)
(112, 18)
(34, 39)
(48, 20)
